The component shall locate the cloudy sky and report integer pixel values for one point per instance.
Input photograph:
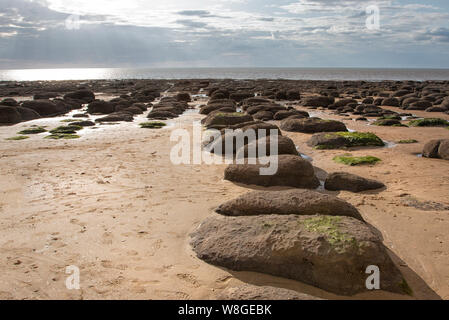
(222, 33)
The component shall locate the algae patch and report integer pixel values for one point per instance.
(353, 161)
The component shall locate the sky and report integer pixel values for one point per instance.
(224, 33)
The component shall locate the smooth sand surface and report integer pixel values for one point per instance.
(113, 204)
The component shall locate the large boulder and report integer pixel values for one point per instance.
(391, 102)
(251, 292)
(321, 101)
(328, 252)
(284, 114)
(183, 96)
(10, 102)
(419, 105)
(161, 115)
(226, 119)
(285, 145)
(294, 201)
(350, 182)
(437, 149)
(336, 140)
(9, 115)
(84, 95)
(116, 117)
(100, 106)
(46, 108)
(27, 114)
(312, 125)
(292, 171)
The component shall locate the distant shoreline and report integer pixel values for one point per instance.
(312, 74)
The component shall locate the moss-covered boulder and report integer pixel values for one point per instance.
(387, 123)
(336, 140)
(328, 252)
(429, 122)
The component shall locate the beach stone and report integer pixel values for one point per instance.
(293, 95)
(391, 102)
(263, 115)
(226, 119)
(387, 122)
(240, 96)
(335, 140)
(261, 293)
(183, 96)
(293, 171)
(285, 145)
(328, 252)
(116, 117)
(27, 114)
(10, 102)
(100, 106)
(431, 149)
(443, 150)
(312, 125)
(161, 115)
(46, 107)
(350, 182)
(321, 101)
(9, 115)
(419, 105)
(85, 95)
(284, 114)
(45, 95)
(83, 123)
(216, 107)
(294, 201)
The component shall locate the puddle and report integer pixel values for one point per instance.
(389, 144)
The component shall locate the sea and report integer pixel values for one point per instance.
(337, 74)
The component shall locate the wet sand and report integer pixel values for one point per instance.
(114, 205)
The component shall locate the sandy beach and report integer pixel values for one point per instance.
(113, 204)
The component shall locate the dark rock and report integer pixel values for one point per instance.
(294, 201)
(293, 171)
(328, 252)
(101, 107)
(46, 107)
(85, 95)
(27, 114)
(312, 125)
(345, 181)
(9, 115)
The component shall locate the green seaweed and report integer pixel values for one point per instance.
(329, 227)
(428, 122)
(153, 125)
(34, 130)
(353, 161)
(406, 288)
(66, 136)
(71, 129)
(17, 138)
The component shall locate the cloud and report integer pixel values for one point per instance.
(207, 33)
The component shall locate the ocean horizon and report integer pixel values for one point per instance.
(324, 74)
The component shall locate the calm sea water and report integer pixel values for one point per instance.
(226, 73)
